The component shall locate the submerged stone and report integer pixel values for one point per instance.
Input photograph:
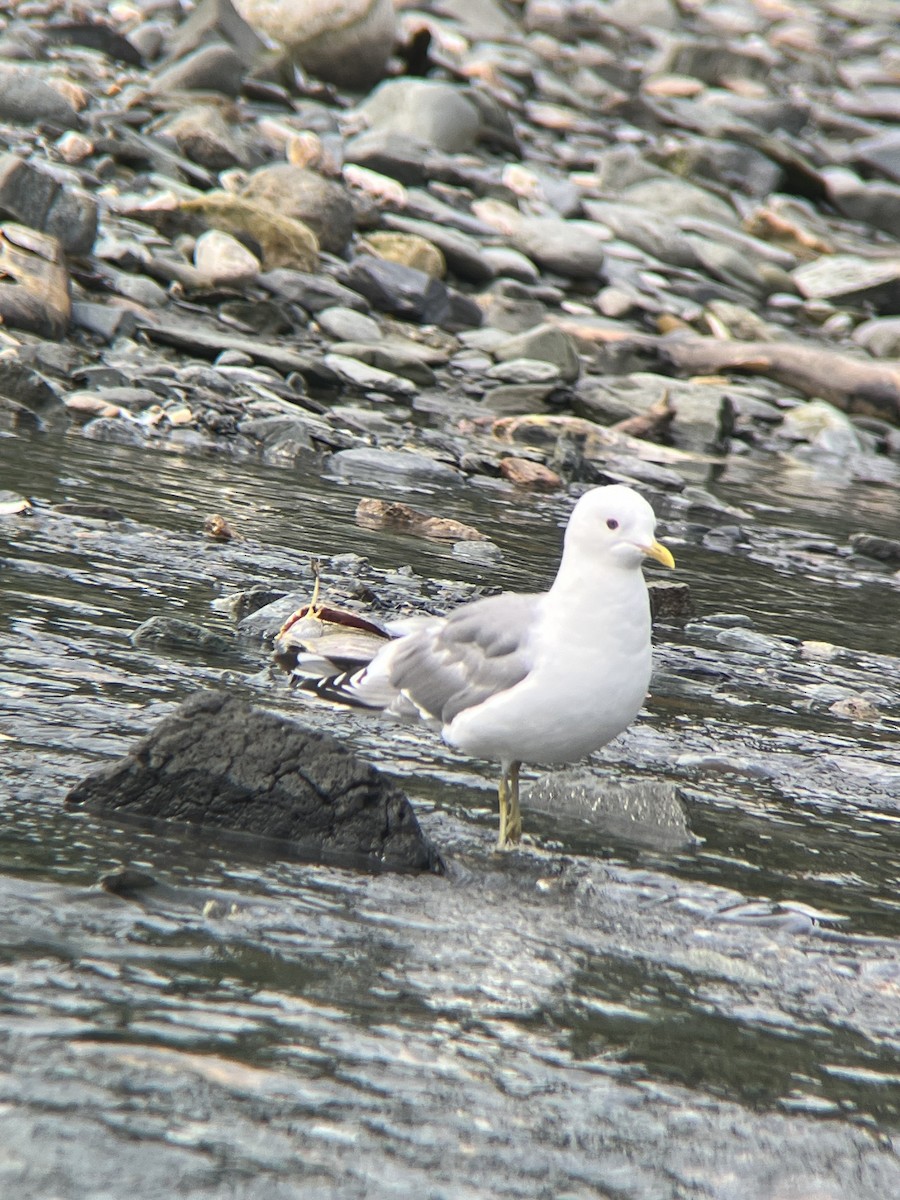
(643, 812)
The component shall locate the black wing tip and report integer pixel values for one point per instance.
(336, 689)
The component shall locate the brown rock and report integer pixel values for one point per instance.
(525, 473)
(37, 298)
(302, 195)
(383, 514)
(283, 241)
(670, 600)
(855, 708)
(409, 250)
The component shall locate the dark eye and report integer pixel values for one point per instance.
(612, 523)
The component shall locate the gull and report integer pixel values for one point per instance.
(545, 677)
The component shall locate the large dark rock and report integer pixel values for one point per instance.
(220, 763)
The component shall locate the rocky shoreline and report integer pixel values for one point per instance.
(594, 243)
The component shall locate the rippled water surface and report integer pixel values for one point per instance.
(251, 1027)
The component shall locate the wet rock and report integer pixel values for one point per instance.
(509, 263)
(408, 249)
(523, 371)
(881, 548)
(221, 258)
(386, 156)
(851, 279)
(517, 399)
(704, 417)
(321, 204)
(44, 202)
(526, 473)
(672, 197)
(425, 206)
(359, 374)
(283, 241)
(670, 601)
(619, 400)
(25, 391)
(510, 307)
(572, 249)
(13, 505)
(741, 167)
(26, 99)
(215, 21)
(366, 464)
(546, 343)
(128, 883)
(695, 416)
(383, 514)
(214, 68)
(34, 282)
(103, 321)
(220, 764)
(73, 148)
(204, 136)
(174, 633)
(85, 402)
(825, 429)
(399, 290)
(202, 340)
(716, 61)
(880, 336)
(347, 325)
(90, 512)
(818, 651)
(479, 554)
(431, 113)
(635, 471)
(117, 431)
(881, 152)
(855, 708)
(876, 204)
(397, 358)
(702, 504)
(724, 539)
(346, 43)
(653, 233)
(410, 294)
(312, 292)
(463, 255)
(241, 605)
(139, 288)
(285, 438)
(750, 642)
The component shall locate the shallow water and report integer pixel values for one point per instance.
(315, 1032)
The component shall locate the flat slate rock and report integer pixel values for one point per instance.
(220, 763)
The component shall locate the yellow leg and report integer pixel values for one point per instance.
(510, 813)
(514, 817)
(305, 610)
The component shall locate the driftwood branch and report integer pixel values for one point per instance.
(855, 385)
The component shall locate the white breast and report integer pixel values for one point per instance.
(587, 684)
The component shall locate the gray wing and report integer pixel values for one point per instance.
(481, 649)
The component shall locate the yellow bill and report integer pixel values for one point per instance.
(661, 553)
